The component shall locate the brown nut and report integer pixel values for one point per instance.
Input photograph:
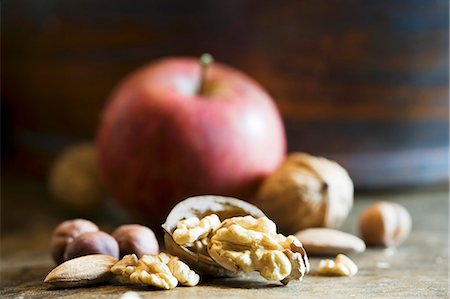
(82, 271)
(92, 243)
(74, 179)
(65, 232)
(326, 241)
(306, 191)
(137, 239)
(385, 224)
(201, 206)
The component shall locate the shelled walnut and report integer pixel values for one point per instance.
(193, 229)
(341, 266)
(244, 241)
(163, 271)
(248, 244)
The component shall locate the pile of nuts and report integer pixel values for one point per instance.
(159, 270)
(224, 237)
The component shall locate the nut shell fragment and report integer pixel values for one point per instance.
(201, 206)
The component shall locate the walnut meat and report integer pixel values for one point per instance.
(341, 266)
(194, 229)
(252, 244)
(306, 191)
(163, 271)
(245, 240)
(195, 253)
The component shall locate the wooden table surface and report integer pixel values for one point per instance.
(418, 268)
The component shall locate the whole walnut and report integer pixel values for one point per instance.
(65, 233)
(74, 179)
(306, 191)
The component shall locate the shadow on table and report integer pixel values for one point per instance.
(246, 282)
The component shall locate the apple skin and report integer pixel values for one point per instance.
(160, 142)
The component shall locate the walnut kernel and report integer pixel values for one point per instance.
(192, 229)
(341, 266)
(163, 271)
(251, 244)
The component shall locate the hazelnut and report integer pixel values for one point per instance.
(92, 243)
(137, 239)
(385, 223)
(306, 191)
(65, 232)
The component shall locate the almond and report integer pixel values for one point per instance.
(85, 270)
(327, 241)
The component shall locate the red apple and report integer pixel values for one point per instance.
(173, 130)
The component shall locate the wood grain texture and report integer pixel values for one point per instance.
(418, 268)
(348, 76)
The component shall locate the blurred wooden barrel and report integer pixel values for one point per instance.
(362, 82)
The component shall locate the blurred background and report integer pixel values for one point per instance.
(362, 82)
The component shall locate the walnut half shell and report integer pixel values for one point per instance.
(201, 206)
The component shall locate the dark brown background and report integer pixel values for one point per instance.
(362, 82)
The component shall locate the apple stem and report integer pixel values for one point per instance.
(205, 61)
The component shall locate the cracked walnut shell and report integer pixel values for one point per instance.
(306, 191)
(195, 254)
(237, 245)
